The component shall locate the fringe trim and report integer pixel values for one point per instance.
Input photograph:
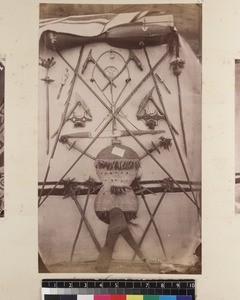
(118, 190)
(118, 165)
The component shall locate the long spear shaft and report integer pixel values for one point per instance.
(149, 223)
(87, 225)
(106, 106)
(157, 162)
(75, 162)
(181, 115)
(117, 111)
(47, 81)
(131, 93)
(62, 122)
(109, 109)
(154, 225)
(80, 225)
(47, 111)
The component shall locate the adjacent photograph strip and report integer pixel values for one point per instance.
(2, 85)
(120, 138)
(237, 136)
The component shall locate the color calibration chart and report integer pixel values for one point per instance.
(61, 289)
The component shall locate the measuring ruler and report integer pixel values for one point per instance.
(61, 289)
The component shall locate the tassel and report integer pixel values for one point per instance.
(174, 43)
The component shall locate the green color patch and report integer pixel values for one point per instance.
(151, 297)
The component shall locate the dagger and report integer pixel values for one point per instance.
(117, 133)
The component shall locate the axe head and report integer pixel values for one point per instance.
(142, 105)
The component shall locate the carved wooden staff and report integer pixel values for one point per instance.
(152, 69)
(71, 189)
(62, 122)
(168, 186)
(80, 225)
(177, 67)
(91, 232)
(172, 134)
(47, 64)
(154, 224)
(158, 163)
(149, 224)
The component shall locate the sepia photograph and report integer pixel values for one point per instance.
(2, 91)
(237, 136)
(119, 147)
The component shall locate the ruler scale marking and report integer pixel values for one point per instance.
(75, 289)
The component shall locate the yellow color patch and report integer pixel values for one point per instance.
(134, 297)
